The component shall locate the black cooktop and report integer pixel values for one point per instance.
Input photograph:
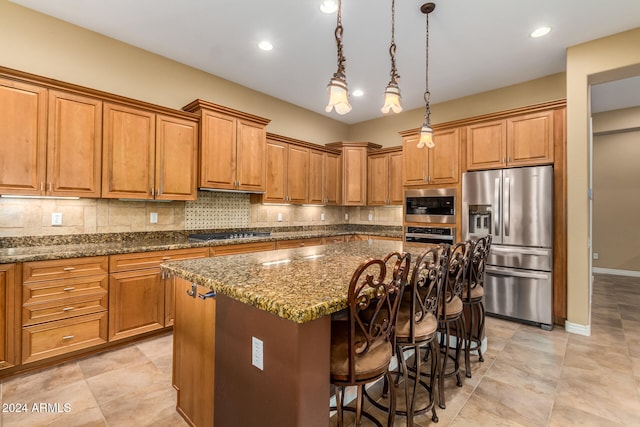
(228, 235)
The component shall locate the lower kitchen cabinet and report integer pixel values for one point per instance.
(140, 295)
(64, 306)
(8, 325)
(299, 243)
(193, 352)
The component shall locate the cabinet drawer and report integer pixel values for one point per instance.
(242, 248)
(141, 260)
(298, 243)
(64, 309)
(61, 289)
(64, 336)
(36, 271)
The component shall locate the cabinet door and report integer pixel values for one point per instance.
(194, 353)
(276, 189)
(486, 145)
(298, 174)
(354, 170)
(23, 128)
(136, 303)
(378, 180)
(414, 161)
(316, 178)
(250, 160)
(396, 192)
(176, 158)
(217, 151)
(74, 145)
(530, 139)
(128, 153)
(8, 325)
(332, 179)
(444, 158)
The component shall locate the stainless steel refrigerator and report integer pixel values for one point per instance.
(515, 206)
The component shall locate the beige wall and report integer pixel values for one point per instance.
(616, 201)
(39, 44)
(609, 58)
(384, 131)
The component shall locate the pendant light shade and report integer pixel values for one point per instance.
(337, 87)
(392, 98)
(426, 133)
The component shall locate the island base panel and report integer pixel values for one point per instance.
(293, 387)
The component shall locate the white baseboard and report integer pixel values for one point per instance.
(615, 272)
(576, 328)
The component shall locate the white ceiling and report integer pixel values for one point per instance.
(475, 46)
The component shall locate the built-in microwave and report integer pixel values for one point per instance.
(430, 205)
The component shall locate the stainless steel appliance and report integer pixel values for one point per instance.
(430, 205)
(433, 235)
(515, 206)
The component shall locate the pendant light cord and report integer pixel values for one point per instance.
(427, 94)
(392, 48)
(340, 74)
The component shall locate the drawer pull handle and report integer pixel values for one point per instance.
(67, 309)
(70, 288)
(68, 337)
(69, 268)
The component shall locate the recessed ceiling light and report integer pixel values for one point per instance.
(329, 6)
(265, 45)
(539, 32)
(358, 92)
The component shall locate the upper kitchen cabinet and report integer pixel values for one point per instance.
(287, 171)
(384, 170)
(324, 178)
(354, 171)
(519, 140)
(232, 148)
(148, 155)
(431, 166)
(50, 141)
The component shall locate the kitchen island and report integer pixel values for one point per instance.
(272, 329)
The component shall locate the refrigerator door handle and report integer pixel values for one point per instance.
(507, 205)
(515, 273)
(514, 249)
(496, 206)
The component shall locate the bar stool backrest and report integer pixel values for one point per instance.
(456, 274)
(477, 261)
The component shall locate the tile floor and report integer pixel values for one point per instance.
(530, 377)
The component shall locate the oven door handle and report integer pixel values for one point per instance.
(431, 236)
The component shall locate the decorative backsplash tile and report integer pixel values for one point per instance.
(217, 210)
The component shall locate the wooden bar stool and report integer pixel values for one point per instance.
(362, 345)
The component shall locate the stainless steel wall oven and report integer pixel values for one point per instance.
(430, 205)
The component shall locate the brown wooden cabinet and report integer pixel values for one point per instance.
(148, 155)
(299, 243)
(194, 343)
(9, 346)
(140, 295)
(64, 306)
(232, 148)
(353, 171)
(324, 178)
(50, 141)
(431, 166)
(384, 177)
(287, 171)
(520, 140)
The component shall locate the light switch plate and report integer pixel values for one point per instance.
(257, 347)
(346, 217)
(322, 216)
(56, 218)
(370, 217)
(279, 217)
(153, 218)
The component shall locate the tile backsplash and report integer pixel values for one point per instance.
(212, 210)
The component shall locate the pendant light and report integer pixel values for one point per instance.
(392, 96)
(337, 87)
(426, 133)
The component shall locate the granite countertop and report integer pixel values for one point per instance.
(62, 247)
(299, 284)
